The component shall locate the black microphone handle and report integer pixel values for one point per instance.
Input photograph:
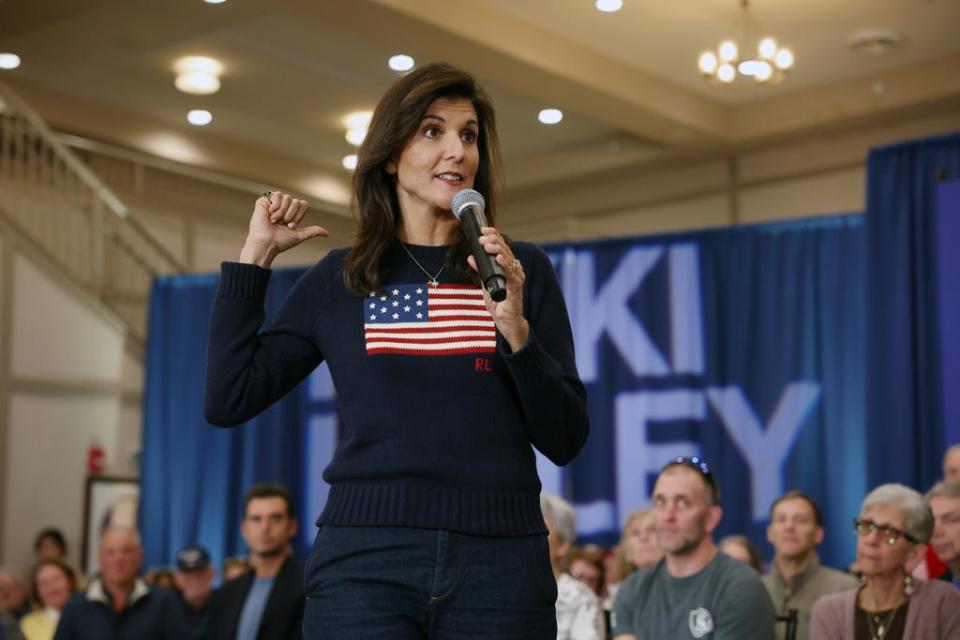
(491, 274)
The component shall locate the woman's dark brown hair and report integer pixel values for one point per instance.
(395, 121)
(65, 569)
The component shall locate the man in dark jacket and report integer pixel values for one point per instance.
(118, 605)
(266, 603)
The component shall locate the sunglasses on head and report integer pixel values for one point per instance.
(700, 465)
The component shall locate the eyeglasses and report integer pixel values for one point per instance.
(888, 533)
(697, 464)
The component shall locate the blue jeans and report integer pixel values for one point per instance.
(397, 583)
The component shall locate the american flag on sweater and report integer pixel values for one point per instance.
(417, 319)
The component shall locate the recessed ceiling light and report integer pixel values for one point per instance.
(358, 119)
(200, 64)
(401, 62)
(198, 75)
(214, 1)
(349, 162)
(200, 84)
(609, 6)
(550, 116)
(356, 136)
(199, 117)
(9, 61)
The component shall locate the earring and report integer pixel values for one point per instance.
(908, 585)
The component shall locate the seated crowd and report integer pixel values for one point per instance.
(665, 579)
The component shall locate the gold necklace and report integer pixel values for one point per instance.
(432, 279)
(882, 627)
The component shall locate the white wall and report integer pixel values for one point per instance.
(63, 391)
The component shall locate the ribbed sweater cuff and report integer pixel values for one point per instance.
(243, 281)
(531, 361)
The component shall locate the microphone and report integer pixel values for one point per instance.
(468, 207)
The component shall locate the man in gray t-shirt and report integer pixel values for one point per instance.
(695, 591)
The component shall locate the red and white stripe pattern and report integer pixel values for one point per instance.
(417, 319)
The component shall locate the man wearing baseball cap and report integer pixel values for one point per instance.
(194, 577)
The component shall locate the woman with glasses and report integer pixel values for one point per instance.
(892, 529)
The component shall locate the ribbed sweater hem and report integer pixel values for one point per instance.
(410, 504)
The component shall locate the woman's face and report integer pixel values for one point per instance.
(640, 544)
(875, 555)
(440, 159)
(53, 587)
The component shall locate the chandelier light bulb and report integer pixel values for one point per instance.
(784, 59)
(726, 73)
(401, 63)
(349, 162)
(609, 6)
(707, 62)
(767, 48)
(728, 51)
(748, 67)
(763, 71)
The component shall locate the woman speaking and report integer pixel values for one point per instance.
(432, 528)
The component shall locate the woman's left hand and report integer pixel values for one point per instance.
(508, 315)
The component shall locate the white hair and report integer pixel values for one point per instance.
(919, 523)
(561, 514)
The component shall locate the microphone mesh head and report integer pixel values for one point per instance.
(466, 197)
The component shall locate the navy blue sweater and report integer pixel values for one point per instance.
(437, 414)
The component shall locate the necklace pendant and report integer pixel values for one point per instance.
(881, 632)
(434, 283)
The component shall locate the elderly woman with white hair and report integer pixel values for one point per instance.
(893, 528)
(579, 615)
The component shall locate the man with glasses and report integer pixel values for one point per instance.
(694, 591)
(944, 501)
(797, 579)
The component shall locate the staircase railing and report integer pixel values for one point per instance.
(57, 203)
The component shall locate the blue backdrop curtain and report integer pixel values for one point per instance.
(904, 409)
(796, 355)
(743, 345)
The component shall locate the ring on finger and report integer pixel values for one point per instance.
(513, 266)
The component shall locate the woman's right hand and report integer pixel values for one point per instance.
(275, 227)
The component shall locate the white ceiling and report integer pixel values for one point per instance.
(627, 81)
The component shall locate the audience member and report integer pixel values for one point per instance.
(639, 539)
(160, 577)
(893, 528)
(266, 603)
(119, 604)
(9, 629)
(53, 583)
(194, 579)
(586, 565)
(951, 463)
(234, 567)
(13, 595)
(637, 549)
(579, 616)
(944, 501)
(694, 590)
(50, 543)
(740, 548)
(797, 579)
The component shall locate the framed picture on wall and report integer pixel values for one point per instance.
(108, 502)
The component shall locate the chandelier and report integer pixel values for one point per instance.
(769, 62)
